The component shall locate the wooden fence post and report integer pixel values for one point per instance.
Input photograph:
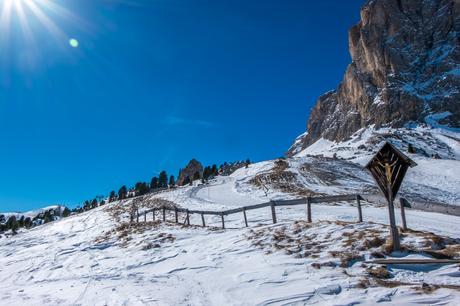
(188, 217)
(153, 214)
(308, 209)
(202, 219)
(223, 222)
(402, 202)
(145, 216)
(245, 218)
(175, 214)
(272, 206)
(164, 213)
(358, 201)
(137, 215)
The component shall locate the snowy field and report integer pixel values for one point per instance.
(68, 263)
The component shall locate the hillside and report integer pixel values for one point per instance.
(97, 258)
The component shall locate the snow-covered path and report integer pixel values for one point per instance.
(223, 192)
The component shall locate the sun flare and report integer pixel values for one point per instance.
(27, 13)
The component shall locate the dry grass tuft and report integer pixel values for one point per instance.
(379, 272)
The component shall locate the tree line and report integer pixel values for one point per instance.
(160, 182)
(14, 223)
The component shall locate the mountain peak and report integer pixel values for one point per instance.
(405, 66)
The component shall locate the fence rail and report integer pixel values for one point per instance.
(272, 204)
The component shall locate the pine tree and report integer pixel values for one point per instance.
(206, 173)
(172, 181)
(154, 183)
(163, 180)
(66, 212)
(21, 221)
(248, 162)
(112, 196)
(141, 188)
(28, 222)
(187, 181)
(12, 224)
(196, 176)
(47, 217)
(214, 170)
(93, 203)
(122, 192)
(138, 188)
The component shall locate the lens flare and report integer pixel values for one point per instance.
(73, 43)
(42, 12)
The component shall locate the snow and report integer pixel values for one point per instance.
(32, 213)
(434, 180)
(66, 262)
(433, 120)
(95, 258)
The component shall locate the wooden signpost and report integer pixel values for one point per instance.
(388, 168)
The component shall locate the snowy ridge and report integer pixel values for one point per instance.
(33, 213)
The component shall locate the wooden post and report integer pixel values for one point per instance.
(188, 218)
(153, 214)
(272, 206)
(223, 222)
(308, 209)
(402, 202)
(245, 218)
(202, 220)
(360, 212)
(175, 214)
(164, 213)
(145, 216)
(393, 229)
(137, 215)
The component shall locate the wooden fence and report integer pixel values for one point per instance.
(272, 204)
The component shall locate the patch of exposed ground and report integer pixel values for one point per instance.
(295, 179)
(125, 217)
(344, 245)
(126, 210)
(281, 179)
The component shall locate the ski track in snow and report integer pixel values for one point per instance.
(60, 263)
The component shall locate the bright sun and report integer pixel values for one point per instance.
(22, 11)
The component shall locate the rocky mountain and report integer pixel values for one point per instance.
(189, 172)
(405, 67)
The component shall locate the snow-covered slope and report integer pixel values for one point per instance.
(96, 258)
(435, 179)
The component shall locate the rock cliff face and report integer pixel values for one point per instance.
(405, 66)
(187, 174)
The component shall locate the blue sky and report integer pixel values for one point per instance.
(153, 84)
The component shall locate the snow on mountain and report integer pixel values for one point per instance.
(435, 179)
(35, 212)
(98, 258)
(405, 62)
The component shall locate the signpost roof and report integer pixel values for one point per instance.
(388, 168)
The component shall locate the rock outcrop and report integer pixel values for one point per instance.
(189, 172)
(405, 66)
